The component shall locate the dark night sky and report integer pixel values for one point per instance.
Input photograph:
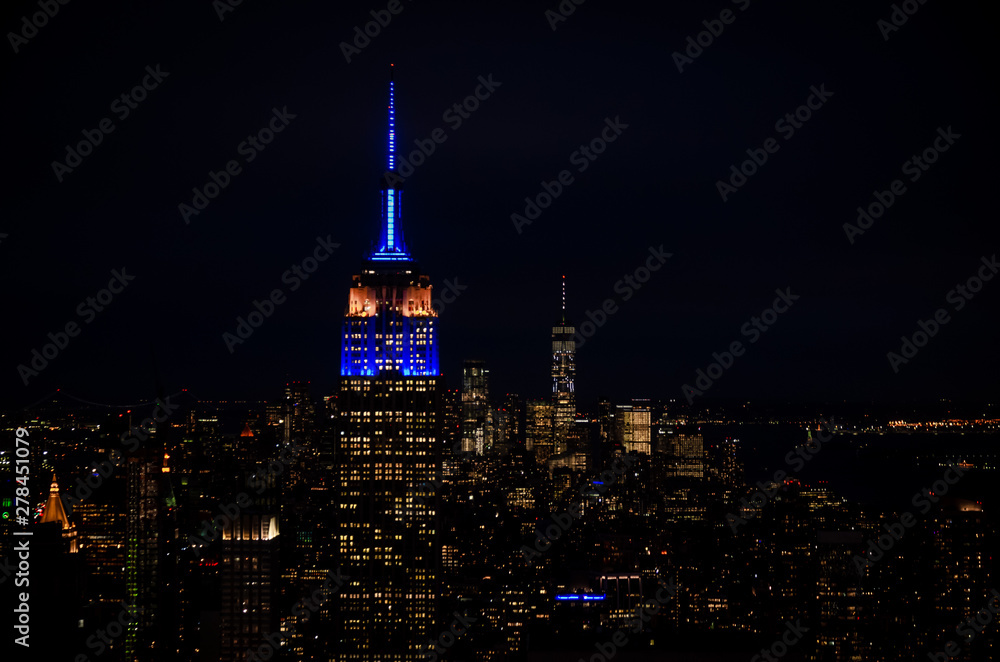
(655, 185)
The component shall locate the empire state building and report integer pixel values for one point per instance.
(389, 450)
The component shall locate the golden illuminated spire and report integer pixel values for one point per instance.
(54, 512)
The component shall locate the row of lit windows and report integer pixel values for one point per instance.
(365, 381)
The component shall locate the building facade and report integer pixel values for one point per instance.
(563, 378)
(389, 451)
(477, 417)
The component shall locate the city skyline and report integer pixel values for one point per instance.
(784, 228)
(433, 333)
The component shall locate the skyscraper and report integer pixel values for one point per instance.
(689, 451)
(632, 428)
(389, 323)
(389, 455)
(563, 376)
(477, 424)
(102, 541)
(56, 577)
(299, 419)
(451, 432)
(151, 553)
(510, 424)
(54, 512)
(249, 584)
(538, 427)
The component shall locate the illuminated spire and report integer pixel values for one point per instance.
(390, 246)
(392, 120)
(54, 511)
(564, 300)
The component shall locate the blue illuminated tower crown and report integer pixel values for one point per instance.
(389, 416)
(390, 325)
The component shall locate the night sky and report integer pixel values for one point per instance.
(656, 184)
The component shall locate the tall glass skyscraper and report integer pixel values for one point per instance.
(477, 423)
(389, 450)
(563, 376)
